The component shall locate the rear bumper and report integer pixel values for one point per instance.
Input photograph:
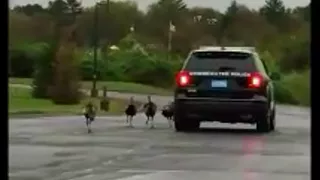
(230, 110)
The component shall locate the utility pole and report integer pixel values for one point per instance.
(94, 91)
(108, 21)
(108, 44)
(171, 29)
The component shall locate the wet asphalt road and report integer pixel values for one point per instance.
(59, 149)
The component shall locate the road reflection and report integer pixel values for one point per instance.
(251, 146)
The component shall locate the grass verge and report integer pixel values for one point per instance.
(21, 104)
(111, 85)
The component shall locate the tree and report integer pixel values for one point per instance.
(65, 88)
(204, 25)
(74, 6)
(60, 12)
(58, 9)
(75, 9)
(296, 54)
(114, 22)
(159, 16)
(275, 12)
(20, 30)
(226, 20)
(43, 67)
(157, 20)
(24, 37)
(64, 12)
(29, 9)
(268, 29)
(302, 12)
(247, 28)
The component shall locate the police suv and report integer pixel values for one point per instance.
(224, 84)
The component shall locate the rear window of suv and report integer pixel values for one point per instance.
(220, 61)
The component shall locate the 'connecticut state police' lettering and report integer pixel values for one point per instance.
(233, 74)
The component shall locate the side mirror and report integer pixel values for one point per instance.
(275, 76)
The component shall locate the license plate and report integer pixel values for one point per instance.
(219, 83)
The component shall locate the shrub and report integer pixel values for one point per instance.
(270, 61)
(86, 66)
(22, 58)
(132, 65)
(21, 65)
(145, 69)
(283, 94)
(42, 74)
(294, 88)
(299, 86)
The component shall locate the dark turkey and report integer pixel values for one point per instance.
(150, 110)
(130, 111)
(167, 111)
(89, 114)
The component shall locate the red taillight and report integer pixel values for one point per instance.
(183, 78)
(255, 80)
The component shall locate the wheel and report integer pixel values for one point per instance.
(263, 123)
(180, 127)
(185, 125)
(273, 120)
(194, 125)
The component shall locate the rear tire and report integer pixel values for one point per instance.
(194, 125)
(263, 123)
(180, 126)
(273, 120)
(185, 125)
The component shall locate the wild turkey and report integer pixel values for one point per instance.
(167, 112)
(150, 110)
(130, 111)
(89, 114)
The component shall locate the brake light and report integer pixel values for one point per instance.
(183, 78)
(255, 80)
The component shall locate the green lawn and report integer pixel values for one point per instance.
(22, 104)
(111, 85)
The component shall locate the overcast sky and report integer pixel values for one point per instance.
(216, 4)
